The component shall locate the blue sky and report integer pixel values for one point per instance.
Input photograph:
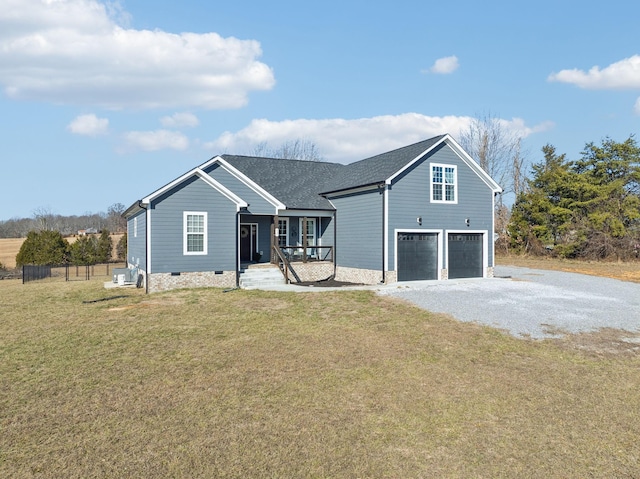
(104, 102)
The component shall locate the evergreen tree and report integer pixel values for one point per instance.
(84, 250)
(121, 248)
(588, 208)
(43, 248)
(104, 247)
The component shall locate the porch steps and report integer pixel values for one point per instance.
(258, 277)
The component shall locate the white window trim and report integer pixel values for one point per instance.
(184, 233)
(135, 227)
(444, 194)
(287, 231)
(315, 230)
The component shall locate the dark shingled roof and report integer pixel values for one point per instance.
(296, 183)
(378, 168)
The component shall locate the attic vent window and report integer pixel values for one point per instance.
(444, 183)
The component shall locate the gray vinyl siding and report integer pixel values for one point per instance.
(257, 204)
(327, 236)
(409, 198)
(136, 243)
(167, 216)
(326, 233)
(359, 230)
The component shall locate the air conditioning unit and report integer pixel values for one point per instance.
(124, 275)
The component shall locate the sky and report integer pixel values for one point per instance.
(103, 102)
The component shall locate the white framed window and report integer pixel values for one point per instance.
(444, 183)
(135, 227)
(310, 230)
(283, 232)
(195, 232)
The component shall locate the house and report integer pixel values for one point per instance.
(424, 211)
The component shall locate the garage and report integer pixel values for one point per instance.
(417, 256)
(465, 255)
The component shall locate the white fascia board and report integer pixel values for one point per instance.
(240, 203)
(389, 180)
(473, 164)
(201, 174)
(464, 156)
(209, 162)
(251, 184)
(148, 199)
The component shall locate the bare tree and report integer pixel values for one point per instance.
(290, 150)
(44, 218)
(498, 151)
(116, 222)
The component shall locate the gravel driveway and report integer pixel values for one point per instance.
(531, 303)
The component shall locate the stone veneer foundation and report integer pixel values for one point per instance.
(312, 271)
(208, 279)
(305, 271)
(356, 275)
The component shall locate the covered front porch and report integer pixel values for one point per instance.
(300, 244)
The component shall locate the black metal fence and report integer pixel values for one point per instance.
(69, 272)
(34, 272)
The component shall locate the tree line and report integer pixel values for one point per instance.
(587, 207)
(49, 247)
(44, 219)
(584, 208)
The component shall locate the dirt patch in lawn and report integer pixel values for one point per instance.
(607, 342)
(327, 283)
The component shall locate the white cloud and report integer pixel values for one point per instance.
(76, 52)
(179, 120)
(621, 75)
(445, 65)
(156, 140)
(89, 125)
(636, 107)
(345, 141)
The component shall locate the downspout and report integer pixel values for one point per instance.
(146, 246)
(384, 231)
(238, 247)
(335, 240)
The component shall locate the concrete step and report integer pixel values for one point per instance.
(254, 278)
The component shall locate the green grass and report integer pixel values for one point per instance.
(202, 383)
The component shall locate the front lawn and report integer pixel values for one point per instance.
(250, 384)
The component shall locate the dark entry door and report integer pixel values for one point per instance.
(417, 256)
(248, 237)
(465, 255)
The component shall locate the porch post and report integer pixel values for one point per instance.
(304, 239)
(274, 239)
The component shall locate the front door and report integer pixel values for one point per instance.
(248, 241)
